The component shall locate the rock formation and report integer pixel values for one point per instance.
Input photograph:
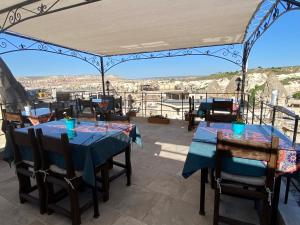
(12, 93)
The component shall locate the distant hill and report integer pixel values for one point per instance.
(229, 75)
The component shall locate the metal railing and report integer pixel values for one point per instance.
(259, 111)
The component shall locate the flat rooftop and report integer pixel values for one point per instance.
(159, 195)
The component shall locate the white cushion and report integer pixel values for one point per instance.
(256, 181)
(61, 171)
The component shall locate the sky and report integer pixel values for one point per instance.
(279, 46)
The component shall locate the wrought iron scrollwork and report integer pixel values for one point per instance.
(7, 46)
(269, 12)
(31, 9)
(228, 53)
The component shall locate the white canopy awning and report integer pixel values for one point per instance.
(112, 27)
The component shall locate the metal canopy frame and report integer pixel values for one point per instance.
(268, 12)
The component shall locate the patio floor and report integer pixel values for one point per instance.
(159, 195)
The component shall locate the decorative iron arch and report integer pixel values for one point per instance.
(23, 11)
(277, 10)
(228, 53)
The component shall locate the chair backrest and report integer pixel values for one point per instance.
(224, 106)
(83, 103)
(262, 151)
(118, 103)
(56, 105)
(59, 113)
(23, 140)
(42, 105)
(111, 101)
(50, 145)
(220, 118)
(11, 118)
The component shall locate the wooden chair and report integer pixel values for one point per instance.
(59, 113)
(68, 179)
(127, 169)
(223, 106)
(26, 169)
(11, 118)
(258, 188)
(82, 113)
(222, 111)
(118, 106)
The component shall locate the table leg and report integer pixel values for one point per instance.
(204, 174)
(275, 202)
(105, 181)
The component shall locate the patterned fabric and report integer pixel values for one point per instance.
(202, 150)
(287, 160)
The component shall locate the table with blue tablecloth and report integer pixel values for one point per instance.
(202, 151)
(92, 143)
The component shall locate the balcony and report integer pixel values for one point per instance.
(158, 195)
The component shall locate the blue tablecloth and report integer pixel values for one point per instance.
(37, 112)
(92, 143)
(203, 148)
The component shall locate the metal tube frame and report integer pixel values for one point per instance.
(14, 16)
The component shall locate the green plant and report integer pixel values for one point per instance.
(296, 95)
(254, 91)
(287, 81)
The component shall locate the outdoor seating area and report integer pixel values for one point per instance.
(158, 193)
(90, 157)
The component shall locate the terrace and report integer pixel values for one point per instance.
(158, 193)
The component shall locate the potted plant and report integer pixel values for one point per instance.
(159, 119)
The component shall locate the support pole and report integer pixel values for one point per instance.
(102, 75)
(244, 72)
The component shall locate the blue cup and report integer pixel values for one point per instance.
(70, 124)
(71, 134)
(238, 128)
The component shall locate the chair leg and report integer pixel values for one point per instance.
(265, 212)
(216, 206)
(49, 197)
(74, 205)
(24, 186)
(128, 165)
(212, 178)
(287, 189)
(42, 193)
(204, 172)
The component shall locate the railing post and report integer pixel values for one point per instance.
(142, 104)
(182, 105)
(248, 98)
(295, 129)
(206, 96)
(1, 111)
(273, 116)
(145, 104)
(253, 109)
(261, 111)
(161, 103)
(125, 102)
(193, 102)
